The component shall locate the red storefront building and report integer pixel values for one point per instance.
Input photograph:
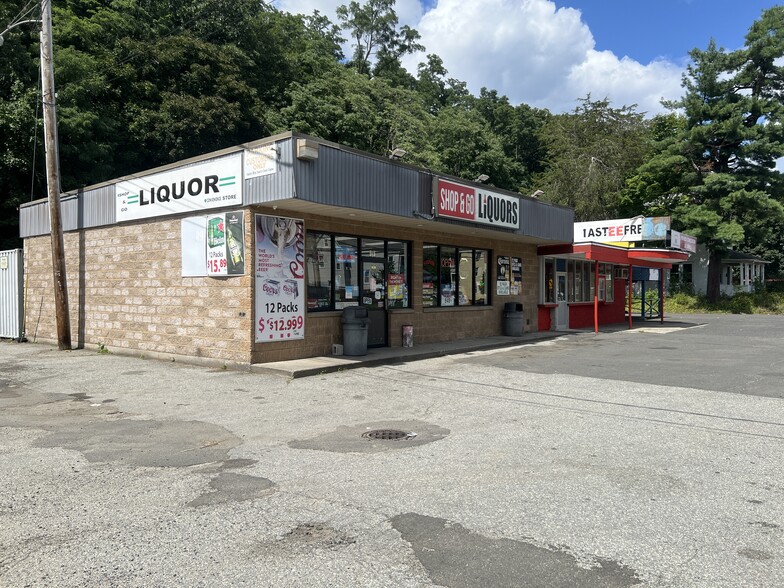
(589, 283)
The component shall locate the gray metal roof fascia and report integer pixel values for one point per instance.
(181, 163)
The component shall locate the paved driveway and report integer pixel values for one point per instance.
(732, 353)
(623, 459)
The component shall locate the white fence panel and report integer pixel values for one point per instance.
(11, 293)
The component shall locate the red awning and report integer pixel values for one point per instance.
(638, 256)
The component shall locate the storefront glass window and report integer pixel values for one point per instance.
(448, 282)
(549, 280)
(459, 276)
(587, 278)
(570, 281)
(397, 274)
(466, 275)
(429, 275)
(373, 248)
(607, 271)
(346, 272)
(318, 247)
(480, 277)
(578, 281)
(343, 271)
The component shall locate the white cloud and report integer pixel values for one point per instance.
(408, 11)
(528, 50)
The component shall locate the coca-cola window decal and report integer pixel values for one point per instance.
(280, 278)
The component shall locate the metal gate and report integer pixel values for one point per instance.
(11, 294)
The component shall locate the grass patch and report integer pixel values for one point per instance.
(744, 303)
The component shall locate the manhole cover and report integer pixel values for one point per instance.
(388, 435)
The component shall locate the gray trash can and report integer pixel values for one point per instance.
(513, 319)
(355, 330)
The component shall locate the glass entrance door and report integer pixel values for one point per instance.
(562, 310)
(374, 299)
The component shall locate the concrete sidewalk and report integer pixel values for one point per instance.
(299, 368)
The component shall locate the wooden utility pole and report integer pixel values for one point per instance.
(53, 179)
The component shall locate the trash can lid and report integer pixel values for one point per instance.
(513, 307)
(354, 313)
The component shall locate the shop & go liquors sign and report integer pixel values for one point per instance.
(213, 184)
(476, 205)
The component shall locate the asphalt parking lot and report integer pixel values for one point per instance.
(650, 457)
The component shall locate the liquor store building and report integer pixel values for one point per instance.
(251, 254)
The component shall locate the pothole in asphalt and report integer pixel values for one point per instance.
(374, 437)
(7, 391)
(80, 396)
(755, 554)
(230, 487)
(317, 535)
(145, 442)
(455, 557)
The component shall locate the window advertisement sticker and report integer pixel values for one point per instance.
(280, 278)
(503, 276)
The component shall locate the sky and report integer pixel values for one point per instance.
(550, 53)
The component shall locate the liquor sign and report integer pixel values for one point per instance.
(226, 244)
(214, 184)
(280, 278)
(622, 230)
(683, 242)
(477, 205)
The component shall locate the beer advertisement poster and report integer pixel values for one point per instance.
(503, 275)
(517, 276)
(225, 244)
(280, 278)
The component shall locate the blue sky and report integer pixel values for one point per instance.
(646, 30)
(550, 53)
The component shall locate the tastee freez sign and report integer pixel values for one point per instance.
(477, 205)
(623, 229)
(214, 184)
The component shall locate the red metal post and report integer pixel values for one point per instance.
(630, 297)
(661, 295)
(596, 298)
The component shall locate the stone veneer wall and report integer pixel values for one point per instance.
(126, 291)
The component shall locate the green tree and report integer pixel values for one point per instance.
(519, 130)
(438, 91)
(462, 144)
(374, 29)
(716, 176)
(591, 152)
(347, 107)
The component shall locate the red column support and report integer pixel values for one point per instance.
(630, 297)
(661, 295)
(596, 298)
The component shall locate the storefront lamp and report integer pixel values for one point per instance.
(482, 178)
(397, 153)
